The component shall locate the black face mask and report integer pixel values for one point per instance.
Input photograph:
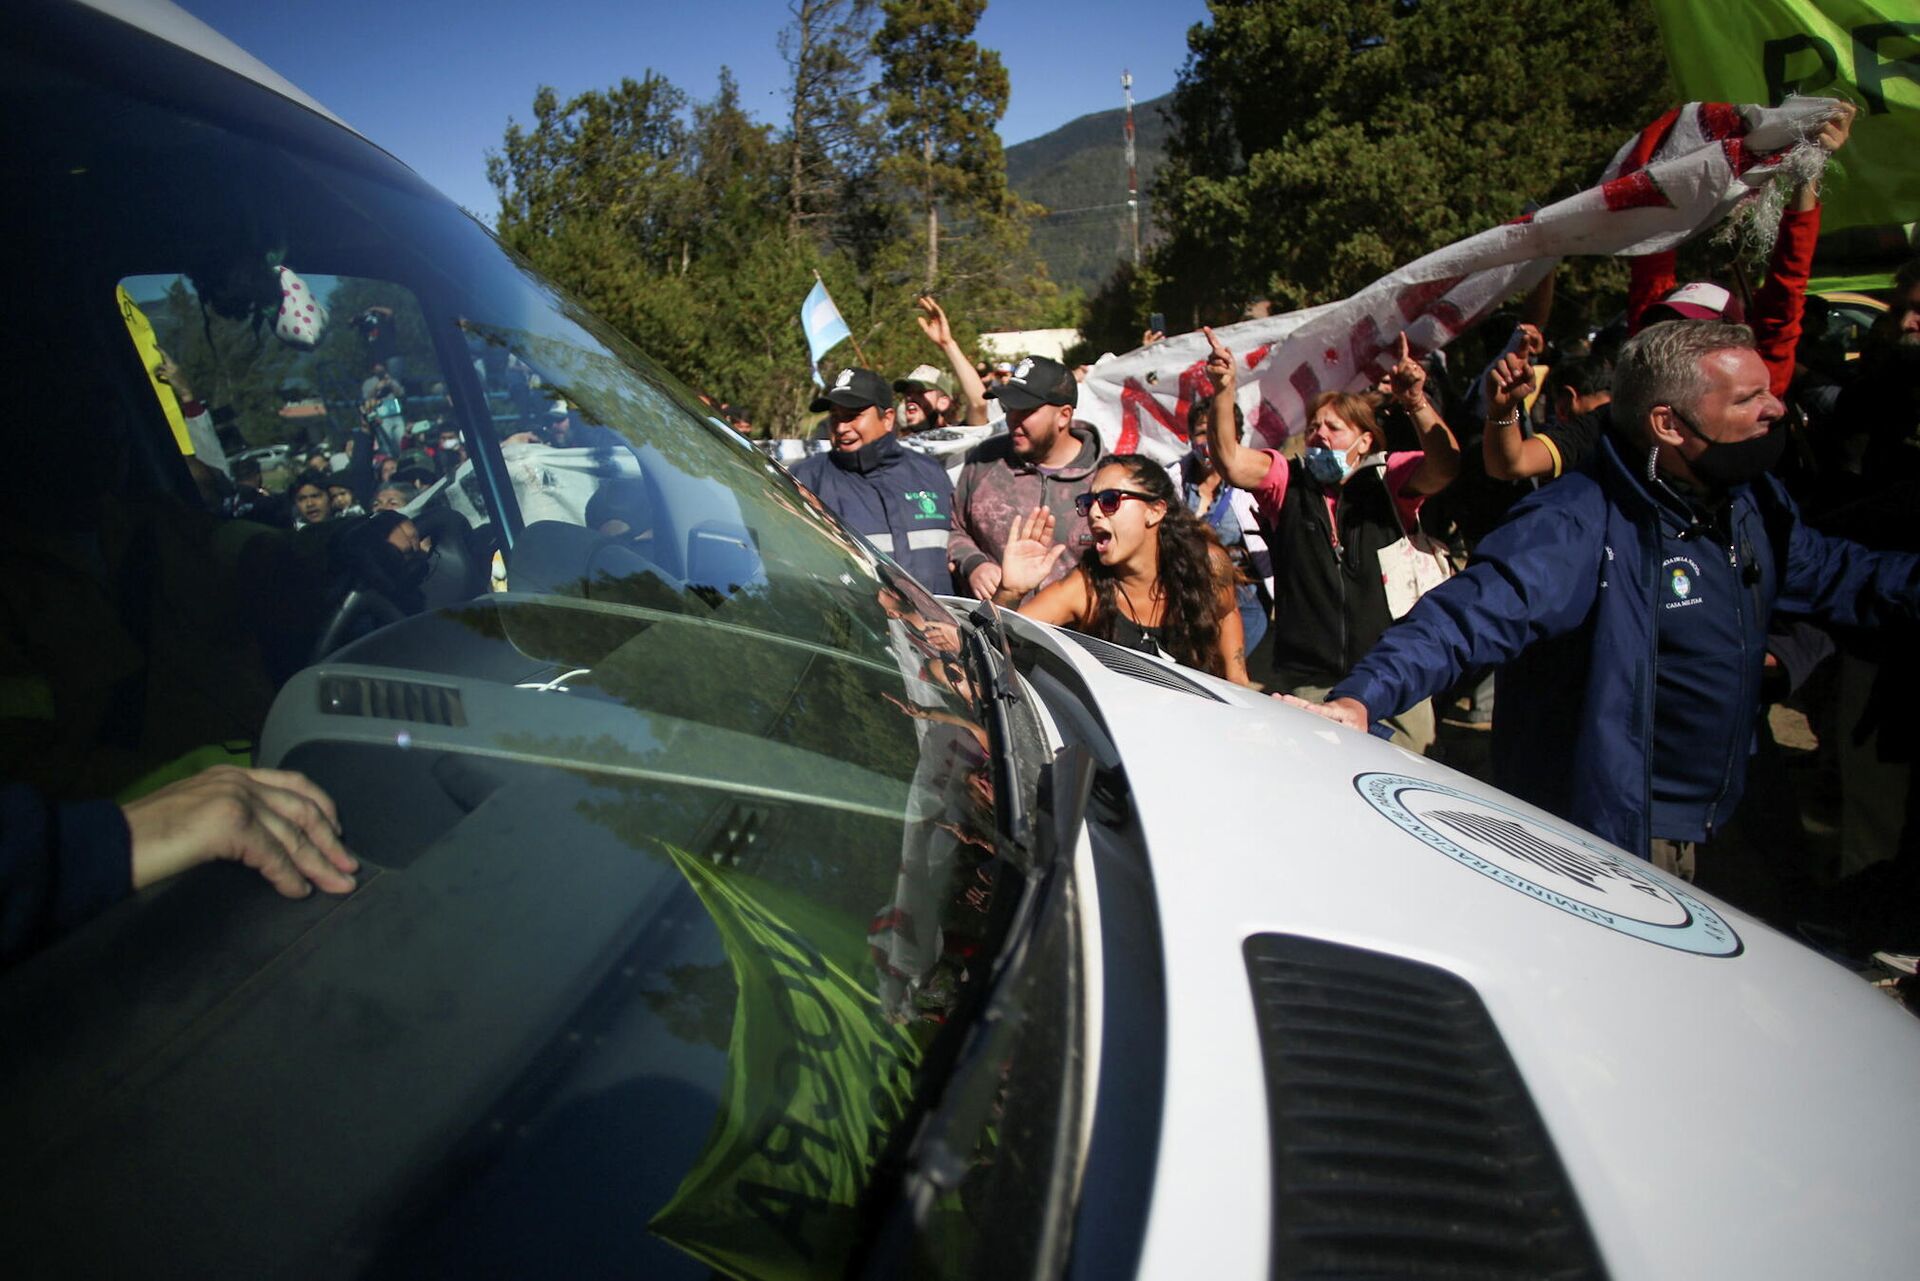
(1728, 463)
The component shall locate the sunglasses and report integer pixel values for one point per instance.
(1109, 500)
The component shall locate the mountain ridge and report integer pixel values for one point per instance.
(1079, 171)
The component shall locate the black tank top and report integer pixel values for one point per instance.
(1132, 635)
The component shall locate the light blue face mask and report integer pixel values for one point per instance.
(1327, 466)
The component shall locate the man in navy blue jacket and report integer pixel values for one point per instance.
(900, 501)
(1630, 600)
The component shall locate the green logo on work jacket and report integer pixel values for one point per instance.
(929, 505)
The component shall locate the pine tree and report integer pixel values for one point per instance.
(832, 135)
(943, 96)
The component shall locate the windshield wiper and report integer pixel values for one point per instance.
(962, 1084)
(991, 663)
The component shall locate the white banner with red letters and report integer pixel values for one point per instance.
(1682, 175)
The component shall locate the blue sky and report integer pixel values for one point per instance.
(434, 82)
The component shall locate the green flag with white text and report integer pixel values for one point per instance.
(817, 1077)
(1866, 51)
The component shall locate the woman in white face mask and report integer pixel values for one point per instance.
(1332, 513)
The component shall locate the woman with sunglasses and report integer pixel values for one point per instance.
(1154, 578)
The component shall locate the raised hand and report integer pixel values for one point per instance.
(933, 321)
(170, 373)
(1030, 554)
(1532, 341)
(1220, 366)
(1508, 382)
(1833, 134)
(1408, 377)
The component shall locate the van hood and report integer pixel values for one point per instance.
(1724, 1101)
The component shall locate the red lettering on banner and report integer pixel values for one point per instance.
(1133, 397)
(1648, 143)
(1305, 383)
(1448, 316)
(1415, 299)
(1363, 340)
(1268, 423)
(1258, 354)
(1194, 386)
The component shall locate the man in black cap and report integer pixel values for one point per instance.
(1045, 460)
(900, 501)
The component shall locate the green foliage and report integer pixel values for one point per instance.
(1320, 143)
(1116, 315)
(943, 96)
(831, 147)
(696, 232)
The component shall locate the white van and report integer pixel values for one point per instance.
(728, 904)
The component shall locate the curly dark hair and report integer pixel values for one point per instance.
(1190, 582)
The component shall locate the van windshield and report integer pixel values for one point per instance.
(673, 800)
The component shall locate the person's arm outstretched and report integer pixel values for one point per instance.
(933, 323)
(1508, 454)
(1237, 464)
(1442, 452)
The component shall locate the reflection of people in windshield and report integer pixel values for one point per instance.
(918, 959)
(311, 504)
(931, 636)
(620, 508)
(340, 499)
(388, 554)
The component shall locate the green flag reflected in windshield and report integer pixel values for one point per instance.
(816, 1079)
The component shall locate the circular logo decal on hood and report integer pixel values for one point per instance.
(1556, 865)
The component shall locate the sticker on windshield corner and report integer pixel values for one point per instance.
(1556, 865)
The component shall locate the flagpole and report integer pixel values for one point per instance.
(850, 337)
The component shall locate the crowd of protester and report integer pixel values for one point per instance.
(1655, 536)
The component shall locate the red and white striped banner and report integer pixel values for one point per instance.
(1680, 176)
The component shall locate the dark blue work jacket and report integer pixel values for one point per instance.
(898, 500)
(1565, 593)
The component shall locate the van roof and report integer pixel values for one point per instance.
(176, 26)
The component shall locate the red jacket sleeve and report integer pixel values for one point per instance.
(1781, 302)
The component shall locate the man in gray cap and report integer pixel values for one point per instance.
(900, 501)
(1045, 460)
(924, 404)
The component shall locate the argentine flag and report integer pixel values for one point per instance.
(821, 322)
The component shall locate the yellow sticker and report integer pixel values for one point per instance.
(140, 329)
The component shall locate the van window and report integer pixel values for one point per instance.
(676, 813)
